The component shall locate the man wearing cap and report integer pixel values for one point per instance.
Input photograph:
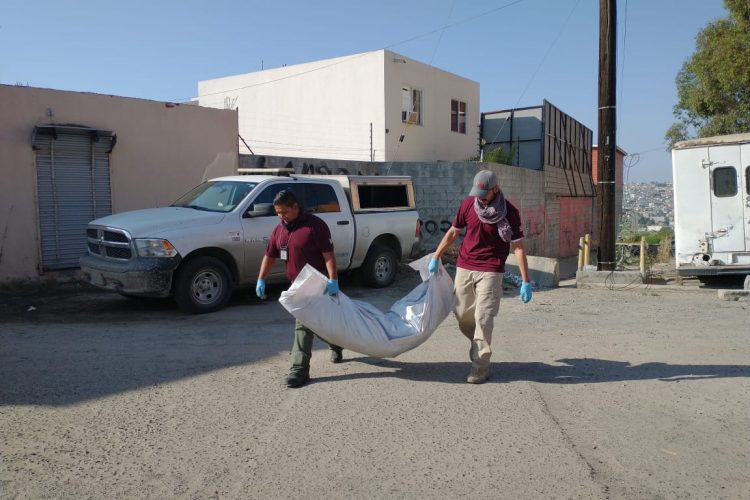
(301, 238)
(493, 228)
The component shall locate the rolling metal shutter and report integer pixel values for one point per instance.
(72, 168)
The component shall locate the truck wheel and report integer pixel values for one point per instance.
(202, 285)
(379, 268)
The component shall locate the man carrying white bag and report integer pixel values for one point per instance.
(363, 328)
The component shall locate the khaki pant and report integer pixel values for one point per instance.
(477, 303)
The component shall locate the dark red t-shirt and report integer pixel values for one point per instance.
(483, 249)
(305, 244)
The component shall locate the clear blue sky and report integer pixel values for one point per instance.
(520, 54)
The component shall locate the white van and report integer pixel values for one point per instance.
(712, 205)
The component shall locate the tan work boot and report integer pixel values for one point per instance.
(478, 375)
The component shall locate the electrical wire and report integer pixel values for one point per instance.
(442, 32)
(622, 66)
(631, 161)
(344, 148)
(539, 66)
(405, 125)
(355, 56)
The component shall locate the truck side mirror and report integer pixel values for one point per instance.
(260, 210)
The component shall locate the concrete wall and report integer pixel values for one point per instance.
(325, 109)
(551, 222)
(162, 150)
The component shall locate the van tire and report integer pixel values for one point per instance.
(202, 285)
(380, 266)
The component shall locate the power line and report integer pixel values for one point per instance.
(541, 63)
(622, 66)
(437, 44)
(309, 145)
(462, 21)
(347, 59)
(661, 148)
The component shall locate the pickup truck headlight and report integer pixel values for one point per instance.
(154, 248)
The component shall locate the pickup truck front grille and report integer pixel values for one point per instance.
(109, 243)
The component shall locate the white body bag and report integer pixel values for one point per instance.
(362, 327)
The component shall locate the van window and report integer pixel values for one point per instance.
(725, 181)
(321, 198)
(388, 196)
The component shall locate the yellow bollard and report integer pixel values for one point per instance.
(580, 254)
(643, 255)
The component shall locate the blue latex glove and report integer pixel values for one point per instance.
(525, 292)
(433, 265)
(260, 289)
(332, 287)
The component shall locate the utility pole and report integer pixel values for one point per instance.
(607, 132)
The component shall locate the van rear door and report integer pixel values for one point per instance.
(727, 199)
(745, 158)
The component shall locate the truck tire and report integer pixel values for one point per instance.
(379, 268)
(202, 285)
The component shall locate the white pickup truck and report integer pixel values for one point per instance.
(213, 238)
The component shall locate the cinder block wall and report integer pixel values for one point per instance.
(440, 187)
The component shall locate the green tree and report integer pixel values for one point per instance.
(713, 85)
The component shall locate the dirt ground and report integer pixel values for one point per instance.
(607, 393)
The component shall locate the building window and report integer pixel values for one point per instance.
(458, 116)
(411, 105)
(725, 181)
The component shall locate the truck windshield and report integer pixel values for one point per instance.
(216, 196)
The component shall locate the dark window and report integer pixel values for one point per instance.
(747, 180)
(725, 181)
(321, 198)
(458, 116)
(262, 206)
(383, 196)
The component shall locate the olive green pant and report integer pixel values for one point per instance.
(302, 348)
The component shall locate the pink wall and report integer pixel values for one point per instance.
(535, 236)
(576, 219)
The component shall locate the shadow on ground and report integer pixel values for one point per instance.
(569, 371)
(80, 362)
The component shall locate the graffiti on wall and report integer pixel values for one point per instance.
(323, 169)
(576, 219)
(430, 227)
(533, 229)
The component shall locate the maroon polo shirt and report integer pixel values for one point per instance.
(305, 244)
(483, 249)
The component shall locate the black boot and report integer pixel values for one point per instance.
(296, 379)
(337, 354)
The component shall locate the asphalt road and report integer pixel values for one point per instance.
(594, 394)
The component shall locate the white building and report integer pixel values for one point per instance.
(374, 106)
